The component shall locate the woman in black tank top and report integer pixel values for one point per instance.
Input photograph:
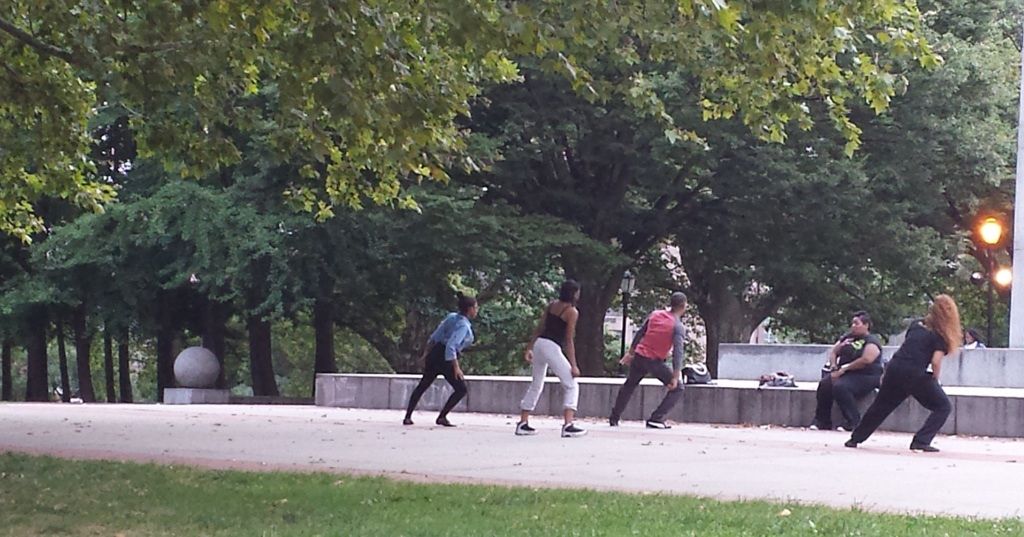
(554, 325)
(553, 335)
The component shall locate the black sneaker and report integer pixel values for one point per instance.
(850, 443)
(927, 448)
(524, 429)
(571, 430)
(657, 424)
(407, 421)
(613, 422)
(443, 422)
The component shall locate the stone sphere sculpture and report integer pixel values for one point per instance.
(196, 367)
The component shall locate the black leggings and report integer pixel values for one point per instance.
(437, 365)
(844, 392)
(897, 385)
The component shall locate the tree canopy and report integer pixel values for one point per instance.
(366, 91)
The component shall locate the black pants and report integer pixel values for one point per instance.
(639, 368)
(844, 392)
(897, 385)
(437, 365)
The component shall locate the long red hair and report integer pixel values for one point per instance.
(944, 319)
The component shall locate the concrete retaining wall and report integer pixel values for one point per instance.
(988, 368)
(976, 411)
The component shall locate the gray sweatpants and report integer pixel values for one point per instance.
(638, 369)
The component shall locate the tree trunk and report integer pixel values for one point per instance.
(108, 364)
(62, 356)
(7, 389)
(727, 319)
(164, 360)
(713, 339)
(124, 373)
(83, 344)
(37, 388)
(260, 357)
(401, 355)
(400, 361)
(589, 339)
(166, 331)
(214, 330)
(323, 329)
(413, 341)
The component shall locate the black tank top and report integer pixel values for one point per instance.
(554, 327)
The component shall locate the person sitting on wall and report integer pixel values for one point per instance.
(972, 340)
(854, 370)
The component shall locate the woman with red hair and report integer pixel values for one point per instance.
(929, 340)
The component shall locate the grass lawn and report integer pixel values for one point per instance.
(47, 496)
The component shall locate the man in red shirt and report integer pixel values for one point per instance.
(662, 335)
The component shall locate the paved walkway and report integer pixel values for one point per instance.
(972, 476)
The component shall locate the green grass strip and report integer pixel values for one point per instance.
(48, 496)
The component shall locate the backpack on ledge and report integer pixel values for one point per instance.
(696, 373)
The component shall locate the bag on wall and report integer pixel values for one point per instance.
(779, 379)
(696, 374)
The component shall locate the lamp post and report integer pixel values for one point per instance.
(627, 285)
(1003, 278)
(1017, 293)
(990, 232)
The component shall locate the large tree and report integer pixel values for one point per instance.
(760, 226)
(809, 238)
(556, 154)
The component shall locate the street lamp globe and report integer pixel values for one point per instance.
(1003, 277)
(991, 231)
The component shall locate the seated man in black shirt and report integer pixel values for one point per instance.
(854, 370)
